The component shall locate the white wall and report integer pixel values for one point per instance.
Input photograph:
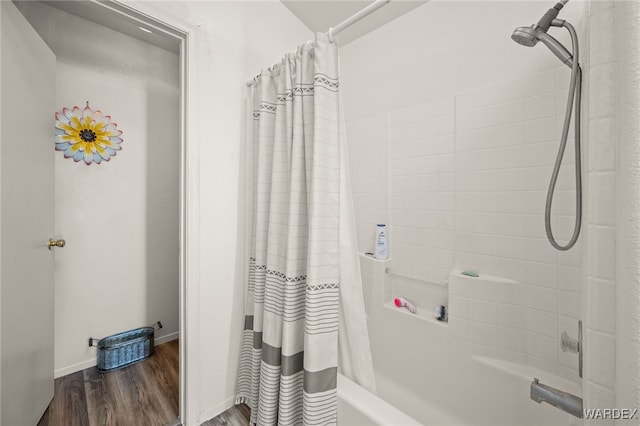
(234, 41)
(452, 139)
(119, 269)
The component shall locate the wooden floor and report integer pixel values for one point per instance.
(144, 394)
(234, 416)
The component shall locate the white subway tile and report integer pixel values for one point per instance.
(445, 125)
(512, 202)
(512, 316)
(513, 269)
(602, 96)
(512, 225)
(539, 250)
(569, 304)
(512, 339)
(602, 48)
(601, 362)
(563, 75)
(466, 120)
(601, 396)
(542, 364)
(602, 144)
(465, 102)
(540, 83)
(511, 157)
(512, 247)
(541, 106)
(476, 201)
(500, 93)
(512, 179)
(602, 263)
(541, 130)
(542, 274)
(542, 322)
(542, 298)
(543, 347)
(602, 198)
(485, 334)
(541, 154)
(485, 290)
(569, 278)
(500, 115)
(572, 257)
(536, 202)
(537, 178)
(488, 312)
(479, 180)
(602, 305)
(446, 105)
(445, 144)
(406, 115)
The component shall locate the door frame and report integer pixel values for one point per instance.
(189, 234)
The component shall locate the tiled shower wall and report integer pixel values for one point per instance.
(600, 283)
(461, 182)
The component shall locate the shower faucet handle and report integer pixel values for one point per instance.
(569, 344)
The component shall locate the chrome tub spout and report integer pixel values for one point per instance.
(565, 401)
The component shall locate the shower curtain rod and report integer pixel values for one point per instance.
(347, 23)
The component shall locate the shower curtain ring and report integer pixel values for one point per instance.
(331, 34)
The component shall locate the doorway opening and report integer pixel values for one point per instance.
(124, 220)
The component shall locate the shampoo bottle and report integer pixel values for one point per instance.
(382, 244)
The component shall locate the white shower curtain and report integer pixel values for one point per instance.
(299, 267)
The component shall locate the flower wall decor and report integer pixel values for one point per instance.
(88, 135)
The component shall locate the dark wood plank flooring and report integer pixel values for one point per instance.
(142, 394)
(235, 416)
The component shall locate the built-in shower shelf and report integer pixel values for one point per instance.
(423, 314)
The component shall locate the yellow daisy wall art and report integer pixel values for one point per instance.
(86, 135)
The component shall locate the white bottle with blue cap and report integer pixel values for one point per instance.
(382, 244)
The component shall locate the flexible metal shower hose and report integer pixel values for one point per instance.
(575, 92)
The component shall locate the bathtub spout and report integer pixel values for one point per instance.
(565, 401)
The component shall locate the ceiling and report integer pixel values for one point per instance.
(319, 15)
(94, 12)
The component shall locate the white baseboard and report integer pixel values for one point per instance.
(91, 362)
(166, 338)
(64, 371)
(217, 409)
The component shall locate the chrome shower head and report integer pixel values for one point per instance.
(530, 36)
(525, 36)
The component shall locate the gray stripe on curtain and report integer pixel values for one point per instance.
(291, 364)
(248, 322)
(320, 381)
(257, 340)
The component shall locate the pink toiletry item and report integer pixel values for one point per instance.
(401, 302)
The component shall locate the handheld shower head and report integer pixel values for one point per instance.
(530, 36)
(525, 36)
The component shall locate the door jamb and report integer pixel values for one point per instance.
(189, 251)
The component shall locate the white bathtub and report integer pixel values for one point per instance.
(503, 399)
(442, 374)
(359, 407)
(425, 377)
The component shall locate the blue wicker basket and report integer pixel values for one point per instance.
(126, 348)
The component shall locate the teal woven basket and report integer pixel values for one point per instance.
(126, 348)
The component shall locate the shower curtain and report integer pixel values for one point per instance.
(289, 359)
